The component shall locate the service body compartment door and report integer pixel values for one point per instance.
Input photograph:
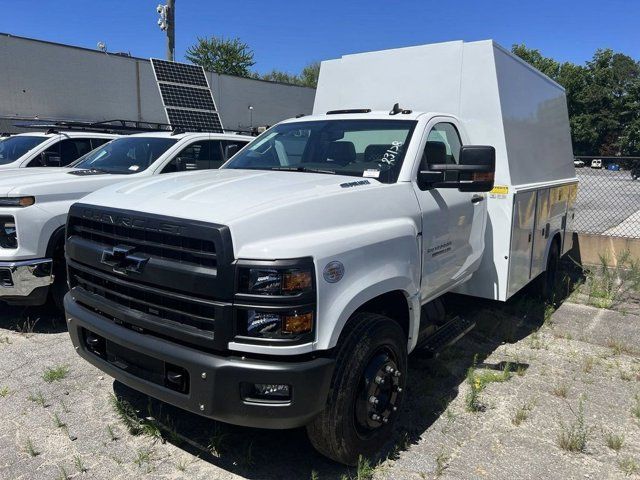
(541, 233)
(522, 231)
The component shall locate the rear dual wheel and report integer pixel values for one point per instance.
(366, 390)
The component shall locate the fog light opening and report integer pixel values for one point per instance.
(266, 392)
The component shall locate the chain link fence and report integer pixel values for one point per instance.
(608, 201)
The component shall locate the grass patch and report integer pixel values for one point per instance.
(441, 463)
(38, 399)
(635, 409)
(522, 413)
(136, 425)
(57, 422)
(112, 433)
(574, 437)
(63, 473)
(588, 364)
(30, 448)
(478, 380)
(618, 347)
(55, 374)
(77, 461)
(560, 390)
(4, 392)
(607, 286)
(628, 466)
(614, 441)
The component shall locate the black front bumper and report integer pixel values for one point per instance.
(214, 388)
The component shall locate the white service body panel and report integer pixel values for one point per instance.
(500, 101)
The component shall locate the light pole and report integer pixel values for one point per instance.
(167, 23)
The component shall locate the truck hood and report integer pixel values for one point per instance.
(262, 207)
(225, 196)
(45, 181)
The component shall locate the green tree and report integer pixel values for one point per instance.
(221, 55)
(310, 74)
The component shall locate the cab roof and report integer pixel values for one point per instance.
(67, 134)
(180, 136)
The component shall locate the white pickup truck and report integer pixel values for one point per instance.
(288, 287)
(34, 202)
(50, 148)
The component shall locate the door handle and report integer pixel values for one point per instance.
(477, 198)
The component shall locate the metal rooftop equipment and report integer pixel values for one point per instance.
(186, 96)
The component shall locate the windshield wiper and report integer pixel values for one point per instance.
(303, 169)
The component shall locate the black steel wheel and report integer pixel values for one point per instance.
(366, 390)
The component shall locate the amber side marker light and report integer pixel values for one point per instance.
(297, 324)
(296, 281)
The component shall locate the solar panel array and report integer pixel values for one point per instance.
(186, 96)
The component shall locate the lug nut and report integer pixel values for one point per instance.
(395, 409)
(399, 389)
(379, 380)
(204, 375)
(385, 420)
(375, 417)
(373, 400)
(389, 369)
(397, 373)
(202, 408)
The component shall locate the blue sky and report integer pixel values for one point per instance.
(287, 35)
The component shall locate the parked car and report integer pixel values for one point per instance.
(596, 163)
(635, 173)
(48, 149)
(613, 167)
(34, 202)
(287, 288)
(578, 163)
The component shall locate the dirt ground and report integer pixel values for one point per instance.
(551, 394)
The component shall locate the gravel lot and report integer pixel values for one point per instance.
(605, 199)
(554, 362)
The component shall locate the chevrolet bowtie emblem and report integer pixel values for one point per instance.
(123, 260)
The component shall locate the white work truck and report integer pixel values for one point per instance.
(51, 148)
(287, 288)
(34, 202)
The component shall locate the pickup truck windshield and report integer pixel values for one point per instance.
(359, 148)
(13, 148)
(125, 155)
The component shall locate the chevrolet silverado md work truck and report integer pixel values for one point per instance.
(288, 288)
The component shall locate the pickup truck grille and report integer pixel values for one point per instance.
(158, 275)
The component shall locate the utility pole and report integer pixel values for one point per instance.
(167, 23)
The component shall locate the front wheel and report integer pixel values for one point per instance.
(366, 390)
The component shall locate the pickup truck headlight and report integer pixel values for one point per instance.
(265, 324)
(17, 201)
(8, 234)
(275, 281)
(275, 300)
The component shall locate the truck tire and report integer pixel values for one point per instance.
(550, 275)
(59, 286)
(366, 390)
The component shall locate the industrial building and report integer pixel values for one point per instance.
(51, 81)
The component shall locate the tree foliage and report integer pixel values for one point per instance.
(234, 57)
(603, 98)
(221, 55)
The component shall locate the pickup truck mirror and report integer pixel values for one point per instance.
(474, 173)
(50, 159)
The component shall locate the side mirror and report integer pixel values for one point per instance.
(474, 172)
(231, 150)
(50, 159)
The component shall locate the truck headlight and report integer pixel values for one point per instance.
(275, 281)
(17, 201)
(8, 233)
(269, 324)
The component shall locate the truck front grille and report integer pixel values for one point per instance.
(183, 288)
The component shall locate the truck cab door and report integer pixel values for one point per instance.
(452, 221)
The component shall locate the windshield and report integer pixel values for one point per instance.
(13, 148)
(125, 155)
(359, 148)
